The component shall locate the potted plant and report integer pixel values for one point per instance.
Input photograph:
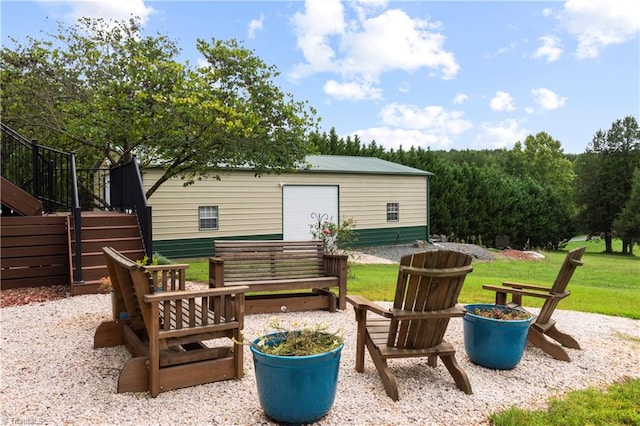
(297, 371)
(495, 336)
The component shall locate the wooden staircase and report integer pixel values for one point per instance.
(100, 229)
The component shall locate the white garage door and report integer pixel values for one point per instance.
(303, 206)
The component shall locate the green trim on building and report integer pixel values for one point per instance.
(203, 247)
(199, 247)
(389, 236)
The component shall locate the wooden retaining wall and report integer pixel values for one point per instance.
(34, 251)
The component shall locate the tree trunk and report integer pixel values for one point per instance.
(607, 242)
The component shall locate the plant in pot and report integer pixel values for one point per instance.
(297, 371)
(495, 336)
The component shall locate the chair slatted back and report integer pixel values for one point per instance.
(123, 286)
(571, 262)
(427, 281)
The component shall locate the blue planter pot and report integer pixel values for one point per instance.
(296, 389)
(494, 343)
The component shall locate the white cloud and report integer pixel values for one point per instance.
(599, 23)
(395, 41)
(394, 138)
(320, 21)
(460, 98)
(499, 135)
(549, 49)
(502, 101)
(351, 91)
(411, 125)
(107, 9)
(360, 47)
(255, 25)
(547, 99)
(432, 118)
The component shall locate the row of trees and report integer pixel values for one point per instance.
(106, 91)
(533, 193)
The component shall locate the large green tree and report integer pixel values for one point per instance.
(109, 92)
(605, 175)
(627, 224)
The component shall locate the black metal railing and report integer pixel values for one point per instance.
(51, 176)
(127, 194)
(43, 172)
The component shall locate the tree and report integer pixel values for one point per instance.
(109, 92)
(627, 224)
(605, 173)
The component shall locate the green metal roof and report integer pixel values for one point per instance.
(365, 165)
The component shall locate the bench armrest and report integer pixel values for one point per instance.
(336, 265)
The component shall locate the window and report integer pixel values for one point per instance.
(208, 217)
(393, 212)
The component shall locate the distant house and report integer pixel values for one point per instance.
(389, 203)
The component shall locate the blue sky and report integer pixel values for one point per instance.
(438, 74)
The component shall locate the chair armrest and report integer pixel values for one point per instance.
(360, 302)
(516, 291)
(527, 286)
(177, 267)
(192, 294)
(401, 314)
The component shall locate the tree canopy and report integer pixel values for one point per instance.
(107, 92)
(605, 173)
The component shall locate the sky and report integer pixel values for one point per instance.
(439, 75)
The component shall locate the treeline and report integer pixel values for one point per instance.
(530, 193)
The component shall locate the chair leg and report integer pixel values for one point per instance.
(458, 374)
(387, 377)
(538, 339)
(563, 338)
(360, 338)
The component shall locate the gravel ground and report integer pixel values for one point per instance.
(52, 375)
(394, 253)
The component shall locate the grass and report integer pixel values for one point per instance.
(607, 284)
(619, 404)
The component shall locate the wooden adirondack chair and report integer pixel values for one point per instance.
(166, 327)
(426, 298)
(543, 326)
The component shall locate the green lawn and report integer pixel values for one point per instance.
(607, 283)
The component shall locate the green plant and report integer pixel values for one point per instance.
(105, 284)
(336, 238)
(298, 340)
(501, 313)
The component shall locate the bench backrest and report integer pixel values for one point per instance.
(265, 260)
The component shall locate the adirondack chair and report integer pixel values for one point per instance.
(543, 326)
(426, 298)
(167, 326)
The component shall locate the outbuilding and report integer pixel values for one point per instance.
(389, 203)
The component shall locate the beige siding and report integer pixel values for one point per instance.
(253, 206)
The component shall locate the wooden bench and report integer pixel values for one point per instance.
(289, 266)
(167, 327)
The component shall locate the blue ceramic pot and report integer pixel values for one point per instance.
(296, 389)
(494, 343)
